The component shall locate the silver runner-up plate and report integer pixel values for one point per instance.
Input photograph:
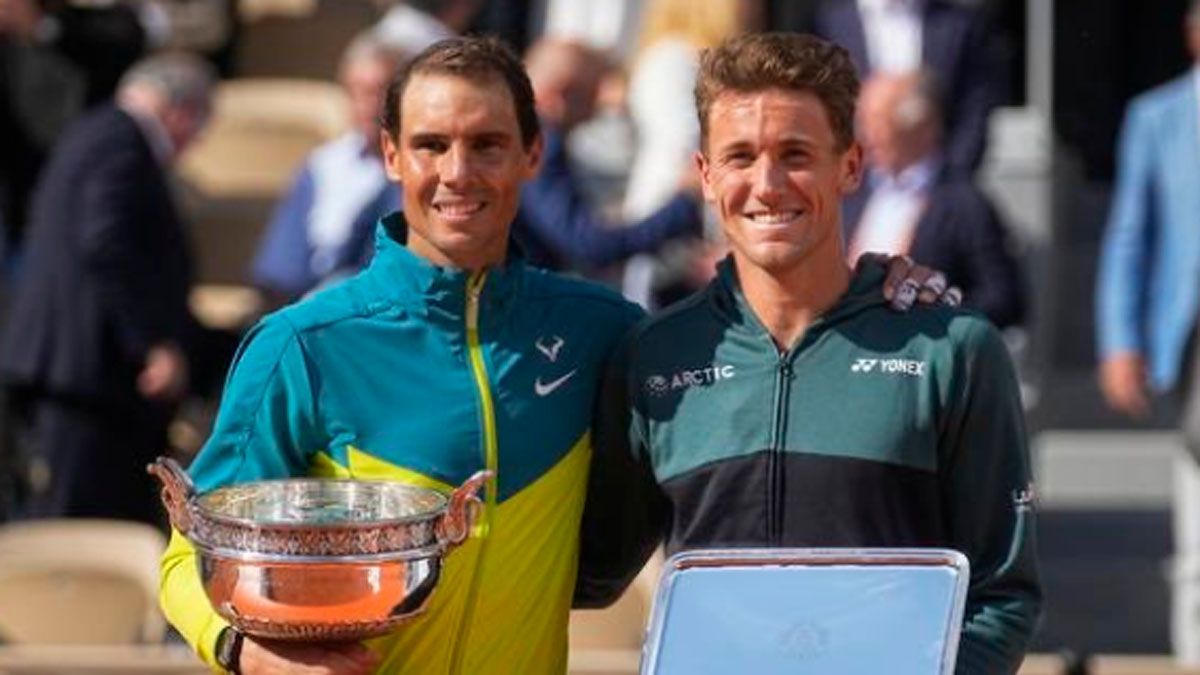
(807, 612)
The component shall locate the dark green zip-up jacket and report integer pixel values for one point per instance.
(878, 429)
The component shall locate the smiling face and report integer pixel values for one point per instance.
(460, 161)
(774, 172)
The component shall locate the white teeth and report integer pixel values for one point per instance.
(459, 209)
(774, 217)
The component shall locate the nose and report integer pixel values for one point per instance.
(455, 166)
(769, 177)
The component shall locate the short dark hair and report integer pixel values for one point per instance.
(759, 61)
(480, 59)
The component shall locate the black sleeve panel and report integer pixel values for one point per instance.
(626, 512)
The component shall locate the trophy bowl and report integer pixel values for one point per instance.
(318, 560)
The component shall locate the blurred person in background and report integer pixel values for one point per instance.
(952, 41)
(323, 228)
(322, 231)
(93, 353)
(1148, 295)
(1147, 298)
(56, 59)
(557, 225)
(611, 26)
(911, 203)
(662, 76)
(412, 25)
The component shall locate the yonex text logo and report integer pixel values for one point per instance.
(906, 367)
(660, 385)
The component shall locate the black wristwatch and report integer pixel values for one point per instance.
(229, 649)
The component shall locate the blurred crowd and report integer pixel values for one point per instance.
(99, 100)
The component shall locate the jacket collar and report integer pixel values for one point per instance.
(401, 274)
(729, 302)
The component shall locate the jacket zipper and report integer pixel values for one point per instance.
(491, 460)
(783, 373)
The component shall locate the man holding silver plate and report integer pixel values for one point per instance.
(783, 406)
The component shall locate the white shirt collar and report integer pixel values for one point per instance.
(879, 5)
(155, 135)
(913, 178)
(410, 30)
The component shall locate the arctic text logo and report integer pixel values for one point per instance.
(660, 385)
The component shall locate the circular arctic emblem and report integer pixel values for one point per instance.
(657, 385)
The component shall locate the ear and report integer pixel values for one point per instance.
(391, 155)
(705, 168)
(535, 153)
(851, 168)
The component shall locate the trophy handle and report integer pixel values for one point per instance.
(464, 509)
(177, 491)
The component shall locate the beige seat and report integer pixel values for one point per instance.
(609, 641)
(236, 172)
(80, 581)
(299, 38)
(260, 129)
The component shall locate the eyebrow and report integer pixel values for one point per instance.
(738, 144)
(787, 141)
(493, 136)
(427, 136)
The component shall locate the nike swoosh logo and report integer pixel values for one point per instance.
(546, 388)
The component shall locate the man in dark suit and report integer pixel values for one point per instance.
(56, 59)
(946, 38)
(912, 204)
(93, 349)
(556, 224)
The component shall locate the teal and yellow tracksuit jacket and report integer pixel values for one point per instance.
(877, 429)
(425, 375)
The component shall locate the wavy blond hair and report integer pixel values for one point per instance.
(701, 23)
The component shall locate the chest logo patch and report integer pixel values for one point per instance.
(546, 388)
(661, 385)
(549, 348)
(902, 367)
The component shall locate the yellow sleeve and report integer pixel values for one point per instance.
(182, 598)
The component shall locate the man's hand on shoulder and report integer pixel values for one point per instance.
(907, 282)
(273, 657)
